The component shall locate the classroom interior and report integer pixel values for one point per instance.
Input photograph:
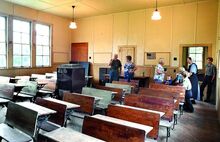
(38, 48)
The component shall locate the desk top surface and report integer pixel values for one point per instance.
(147, 129)
(67, 135)
(10, 134)
(69, 105)
(2, 100)
(40, 109)
(142, 109)
(96, 98)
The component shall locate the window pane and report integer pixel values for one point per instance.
(39, 50)
(21, 36)
(25, 38)
(26, 61)
(16, 49)
(21, 26)
(2, 35)
(26, 50)
(39, 60)
(3, 61)
(43, 45)
(46, 50)
(192, 50)
(46, 60)
(2, 48)
(16, 37)
(45, 40)
(199, 65)
(2, 23)
(199, 57)
(42, 29)
(16, 61)
(39, 40)
(199, 49)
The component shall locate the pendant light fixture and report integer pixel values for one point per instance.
(73, 23)
(156, 14)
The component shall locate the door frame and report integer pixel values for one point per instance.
(129, 46)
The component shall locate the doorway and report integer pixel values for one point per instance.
(125, 51)
(79, 52)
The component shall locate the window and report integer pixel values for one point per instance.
(196, 53)
(42, 45)
(3, 41)
(21, 43)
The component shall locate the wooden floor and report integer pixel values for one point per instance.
(200, 126)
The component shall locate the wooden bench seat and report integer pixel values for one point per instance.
(29, 91)
(11, 135)
(134, 85)
(137, 116)
(19, 119)
(125, 87)
(161, 93)
(106, 96)
(86, 103)
(6, 93)
(147, 102)
(57, 118)
(111, 132)
(175, 89)
(117, 96)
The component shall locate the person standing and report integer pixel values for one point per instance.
(210, 74)
(115, 68)
(188, 93)
(159, 72)
(129, 69)
(193, 78)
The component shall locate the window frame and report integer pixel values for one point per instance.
(196, 53)
(31, 41)
(50, 44)
(6, 39)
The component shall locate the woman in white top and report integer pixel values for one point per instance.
(159, 72)
(188, 93)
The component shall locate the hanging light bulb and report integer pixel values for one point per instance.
(156, 14)
(73, 23)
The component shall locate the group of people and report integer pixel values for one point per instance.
(187, 78)
(116, 67)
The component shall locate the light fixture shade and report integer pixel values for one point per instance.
(156, 15)
(72, 25)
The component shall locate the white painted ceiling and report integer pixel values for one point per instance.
(86, 8)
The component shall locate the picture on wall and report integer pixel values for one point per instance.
(151, 55)
(152, 58)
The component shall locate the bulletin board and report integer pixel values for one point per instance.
(152, 58)
(102, 57)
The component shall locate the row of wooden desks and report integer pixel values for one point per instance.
(70, 107)
(147, 129)
(142, 109)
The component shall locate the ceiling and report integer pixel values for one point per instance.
(86, 8)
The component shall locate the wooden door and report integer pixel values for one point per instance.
(79, 52)
(125, 51)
